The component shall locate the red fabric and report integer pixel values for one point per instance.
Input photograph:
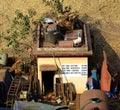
(105, 75)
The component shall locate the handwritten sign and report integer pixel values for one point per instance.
(75, 69)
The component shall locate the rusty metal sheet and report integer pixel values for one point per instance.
(92, 99)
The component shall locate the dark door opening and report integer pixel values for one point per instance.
(47, 81)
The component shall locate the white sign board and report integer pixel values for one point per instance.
(74, 69)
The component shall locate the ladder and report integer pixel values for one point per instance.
(25, 88)
(12, 94)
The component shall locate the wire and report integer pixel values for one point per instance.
(59, 72)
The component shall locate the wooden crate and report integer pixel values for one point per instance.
(65, 90)
(65, 44)
(73, 35)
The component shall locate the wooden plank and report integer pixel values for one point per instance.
(85, 36)
(59, 89)
(65, 44)
(63, 54)
(88, 38)
(73, 35)
(68, 91)
(47, 67)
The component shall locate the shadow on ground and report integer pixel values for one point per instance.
(99, 43)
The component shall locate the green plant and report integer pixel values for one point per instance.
(19, 31)
(57, 5)
(62, 13)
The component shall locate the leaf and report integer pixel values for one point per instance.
(18, 14)
(31, 12)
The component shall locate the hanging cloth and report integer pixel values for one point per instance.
(105, 75)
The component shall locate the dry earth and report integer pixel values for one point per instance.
(103, 16)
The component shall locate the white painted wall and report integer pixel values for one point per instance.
(78, 65)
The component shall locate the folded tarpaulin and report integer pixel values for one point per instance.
(105, 75)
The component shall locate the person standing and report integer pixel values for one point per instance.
(93, 81)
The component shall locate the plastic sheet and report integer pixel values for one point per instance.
(23, 105)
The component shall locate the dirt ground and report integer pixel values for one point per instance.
(102, 16)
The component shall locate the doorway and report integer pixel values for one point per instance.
(47, 82)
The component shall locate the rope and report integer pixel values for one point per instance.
(59, 72)
(64, 74)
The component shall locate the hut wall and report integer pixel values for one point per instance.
(72, 70)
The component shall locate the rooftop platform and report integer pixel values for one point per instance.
(65, 50)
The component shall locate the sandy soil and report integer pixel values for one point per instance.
(102, 16)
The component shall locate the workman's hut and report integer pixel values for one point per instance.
(62, 56)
